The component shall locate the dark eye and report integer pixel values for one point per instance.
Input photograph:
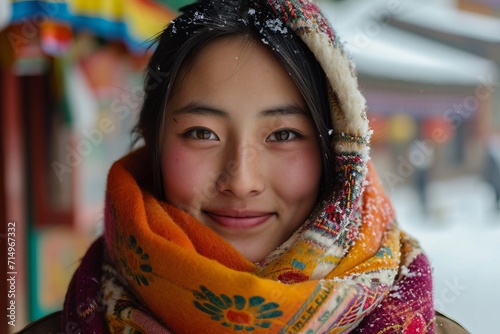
(202, 134)
(282, 135)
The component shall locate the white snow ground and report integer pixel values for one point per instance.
(461, 236)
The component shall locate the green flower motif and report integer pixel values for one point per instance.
(384, 251)
(136, 263)
(237, 313)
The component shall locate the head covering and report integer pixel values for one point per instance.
(347, 268)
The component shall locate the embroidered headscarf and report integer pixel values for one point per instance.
(348, 268)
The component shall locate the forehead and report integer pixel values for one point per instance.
(232, 67)
(226, 56)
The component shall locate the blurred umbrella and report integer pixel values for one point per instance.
(437, 129)
(402, 128)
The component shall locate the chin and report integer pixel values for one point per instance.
(251, 253)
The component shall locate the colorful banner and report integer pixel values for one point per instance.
(134, 22)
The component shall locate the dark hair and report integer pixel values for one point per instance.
(207, 20)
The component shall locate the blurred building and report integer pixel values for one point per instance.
(429, 71)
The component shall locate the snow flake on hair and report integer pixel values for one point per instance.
(276, 25)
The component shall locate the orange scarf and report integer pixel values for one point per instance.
(167, 270)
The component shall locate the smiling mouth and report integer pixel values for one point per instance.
(240, 222)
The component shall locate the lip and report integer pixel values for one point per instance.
(239, 220)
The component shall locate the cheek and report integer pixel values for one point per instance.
(183, 178)
(298, 178)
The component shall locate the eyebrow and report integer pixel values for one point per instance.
(195, 108)
(285, 110)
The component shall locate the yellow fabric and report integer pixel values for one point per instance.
(144, 18)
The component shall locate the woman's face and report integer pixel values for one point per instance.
(239, 151)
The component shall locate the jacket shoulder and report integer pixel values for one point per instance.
(50, 324)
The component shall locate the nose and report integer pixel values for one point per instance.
(243, 173)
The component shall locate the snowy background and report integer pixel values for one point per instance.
(461, 236)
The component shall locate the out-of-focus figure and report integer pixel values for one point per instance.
(422, 171)
(492, 167)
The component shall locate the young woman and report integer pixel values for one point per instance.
(252, 206)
